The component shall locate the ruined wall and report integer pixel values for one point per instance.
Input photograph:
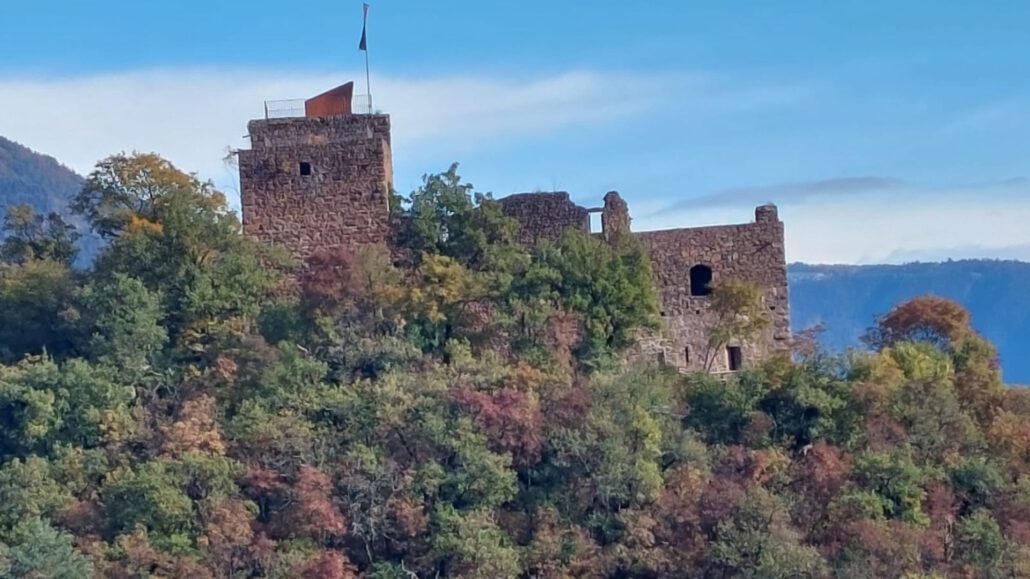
(751, 252)
(544, 215)
(614, 216)
(317, 183)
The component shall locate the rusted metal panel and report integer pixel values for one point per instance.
(333, 102)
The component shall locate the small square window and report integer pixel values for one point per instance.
(305, 169)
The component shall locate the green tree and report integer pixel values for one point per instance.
(176, 235)
(33, 299)
(32, 236)
(444, 217)
(609, 285)
(41, 551)
(122, 321)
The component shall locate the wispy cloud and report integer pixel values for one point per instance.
(193, 116)
(788, 192)
(894, 223)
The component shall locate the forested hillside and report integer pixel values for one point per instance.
(29, 178)
(196, 405)
(845, 299)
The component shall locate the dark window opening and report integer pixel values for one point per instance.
(736, 358)
(305, 169)
(700, 279)
(661, 358)
(686, 355)
(663, 314)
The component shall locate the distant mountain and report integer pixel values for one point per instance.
(845, 299)
(41, 181)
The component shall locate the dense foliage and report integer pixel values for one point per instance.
(40, 182)
(843, 298)
(194, 405)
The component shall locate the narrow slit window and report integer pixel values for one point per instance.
(686, 355)
(305, 168)
(735, 358)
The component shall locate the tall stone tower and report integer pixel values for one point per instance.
(319, 181)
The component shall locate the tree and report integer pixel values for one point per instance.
(939, 321)
(176, 235)
(33, 299)
(945, 325)
(33, 236)
(126, 192)
(609, 285)
(42, 551)
(738, 313)
(121, 320)
(445, 218)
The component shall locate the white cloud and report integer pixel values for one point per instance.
(193, 116)
(894, 226)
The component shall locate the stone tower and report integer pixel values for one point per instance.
(318, 181)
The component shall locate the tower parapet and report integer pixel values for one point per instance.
(319, 181)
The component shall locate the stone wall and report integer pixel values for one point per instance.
(614, 216)
(752, 252)
(320, 183)
(317, 183)
(544, 215)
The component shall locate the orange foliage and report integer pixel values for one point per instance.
(195, 430)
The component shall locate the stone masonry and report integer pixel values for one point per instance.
(544, 215)
(752, 252)
(322, 181)
(317, 183)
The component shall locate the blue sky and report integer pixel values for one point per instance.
(886, 131)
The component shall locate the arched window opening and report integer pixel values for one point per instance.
(700, 280)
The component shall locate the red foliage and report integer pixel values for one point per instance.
(822, 471)
(326, 279)
(330, 565)
(883, 432)
(939, 321)
(719, 500)
(313, 511)
(1013, 513)
(568, 408)
(742, 464)
(511, 420)
(228, 534)
(407, 518)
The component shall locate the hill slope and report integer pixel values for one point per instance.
(846, 298)
(41, 181)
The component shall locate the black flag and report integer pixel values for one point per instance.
(363, 45)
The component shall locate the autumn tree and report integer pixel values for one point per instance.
(737, 313)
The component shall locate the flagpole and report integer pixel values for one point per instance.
(368, 83)
(364, 46)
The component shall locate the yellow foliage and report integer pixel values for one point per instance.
(141, 225)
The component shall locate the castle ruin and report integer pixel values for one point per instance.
(322, 181)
